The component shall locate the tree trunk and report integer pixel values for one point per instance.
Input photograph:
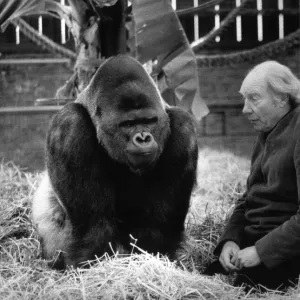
(98, 33)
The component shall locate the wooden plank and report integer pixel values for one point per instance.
(222, 108)
(29, 110)
(52, 101)
(23, 110)
(10, 61)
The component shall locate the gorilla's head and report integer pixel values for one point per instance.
(128, 112)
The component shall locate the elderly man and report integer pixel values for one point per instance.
(261, 241)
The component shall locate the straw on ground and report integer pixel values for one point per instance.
(24, 275)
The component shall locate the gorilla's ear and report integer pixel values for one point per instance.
(86, 100)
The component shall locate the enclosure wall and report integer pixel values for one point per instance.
(22, 136)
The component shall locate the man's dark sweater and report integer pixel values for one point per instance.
(268, 214)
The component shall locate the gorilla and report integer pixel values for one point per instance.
(120, 163)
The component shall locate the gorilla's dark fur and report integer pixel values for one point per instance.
(119, 162)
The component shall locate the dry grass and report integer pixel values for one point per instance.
(24, 275)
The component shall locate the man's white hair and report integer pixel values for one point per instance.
(280, 79)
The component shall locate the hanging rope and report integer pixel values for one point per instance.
(270, 50)
(42, 40)
(186, 12)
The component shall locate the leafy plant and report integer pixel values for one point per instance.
(146, 29)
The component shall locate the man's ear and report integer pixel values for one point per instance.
(283, 100)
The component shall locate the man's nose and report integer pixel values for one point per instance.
(247, 108)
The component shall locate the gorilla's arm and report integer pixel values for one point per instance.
(175, 179)
(179, 161)
(77, 164)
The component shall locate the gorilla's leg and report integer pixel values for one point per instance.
(79, 171)
(51, 222)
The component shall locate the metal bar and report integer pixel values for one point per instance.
(217, 22)
(238, 23)
(174, 4)
(196, 23)
(281, 19)
(260, 33)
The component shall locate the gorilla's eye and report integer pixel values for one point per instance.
(143, 121)
(150, 120)
(128, 123)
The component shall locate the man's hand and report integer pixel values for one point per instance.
(229, 250)
(246, 258)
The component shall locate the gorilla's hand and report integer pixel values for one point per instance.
(229, 250)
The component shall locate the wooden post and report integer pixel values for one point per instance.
(113, 31)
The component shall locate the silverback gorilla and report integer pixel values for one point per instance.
(119, 163)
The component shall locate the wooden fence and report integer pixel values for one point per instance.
(261, 21)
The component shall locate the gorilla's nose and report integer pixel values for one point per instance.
(143, 139)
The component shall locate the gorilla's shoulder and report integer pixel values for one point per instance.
(71, 115)
(181, 121)
(72, 124)
(73, 109)
(183, 139)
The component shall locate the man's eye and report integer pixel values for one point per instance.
(254, 98)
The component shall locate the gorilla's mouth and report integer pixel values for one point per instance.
(142, 161)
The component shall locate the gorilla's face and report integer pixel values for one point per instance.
(145, 133)
(128, 113)
(142, 148)
(135, 137)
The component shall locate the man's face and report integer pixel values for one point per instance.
(260, 107)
